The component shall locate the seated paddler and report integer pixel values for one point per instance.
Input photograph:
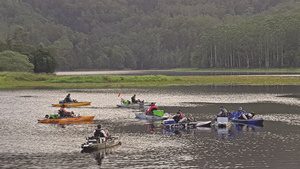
(152, 107)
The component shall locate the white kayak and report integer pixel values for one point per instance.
(170, 123)
(94, 144)
(222, 122)
(143, 116)
(131, 105)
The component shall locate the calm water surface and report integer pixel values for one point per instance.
(28, 144)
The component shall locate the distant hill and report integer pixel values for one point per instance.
(147, 34)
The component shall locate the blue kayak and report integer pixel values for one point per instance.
(235, 118)
(257, 122)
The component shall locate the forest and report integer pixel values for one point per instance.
(150, 34)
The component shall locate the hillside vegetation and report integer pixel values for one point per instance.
(149, 34)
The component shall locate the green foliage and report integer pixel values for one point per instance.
(150, 34)
(14, 61)
(43, 61)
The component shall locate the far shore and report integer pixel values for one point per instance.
(188, 72)
(17, 80)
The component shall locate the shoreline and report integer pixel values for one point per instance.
(16, 80)
(187, 72)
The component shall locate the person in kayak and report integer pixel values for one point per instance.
(250, 115)
(100, 132)
(152, 107)
(63, 113)
(242, 114)
(179, 117)
(134, 100)
(223, 112)
(68, 99)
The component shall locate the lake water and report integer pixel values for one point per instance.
(28, 144)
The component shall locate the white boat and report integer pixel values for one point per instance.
(143, 116)
(222, 122)
(131, 105)
(94, 144)
(170, 123)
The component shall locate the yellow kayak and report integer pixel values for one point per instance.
(68, 120)
(72, 104)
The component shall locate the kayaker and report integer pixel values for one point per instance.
(152, 107)
(250, 115)
(99, 132)
(68, 99)
(223, 112)
(242, 113)
(133, 100)
(179, 117)
(64, 113)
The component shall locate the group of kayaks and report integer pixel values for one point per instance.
(169, 122)
(92, 143)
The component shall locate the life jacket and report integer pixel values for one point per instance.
(99, 133)
(151, 108)
(181, 115)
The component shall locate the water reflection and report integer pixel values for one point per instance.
(99, 155)
(235, 130)
(230, 132)
(28, 144)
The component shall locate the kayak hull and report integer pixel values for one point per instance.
(89, 147)
(257, 122)
(189, 124)
(143, 116)
(72, 104)
(67, 120)
(131, 106)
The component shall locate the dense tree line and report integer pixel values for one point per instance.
(263, 42)
(146, 34)
(14, 61)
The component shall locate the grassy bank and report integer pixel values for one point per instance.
(48, 81)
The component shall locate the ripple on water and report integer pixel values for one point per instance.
(292, 119)
(27, 144)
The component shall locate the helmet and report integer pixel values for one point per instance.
(99, 126)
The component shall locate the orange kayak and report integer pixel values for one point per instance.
(72, 104)
(68, 120)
